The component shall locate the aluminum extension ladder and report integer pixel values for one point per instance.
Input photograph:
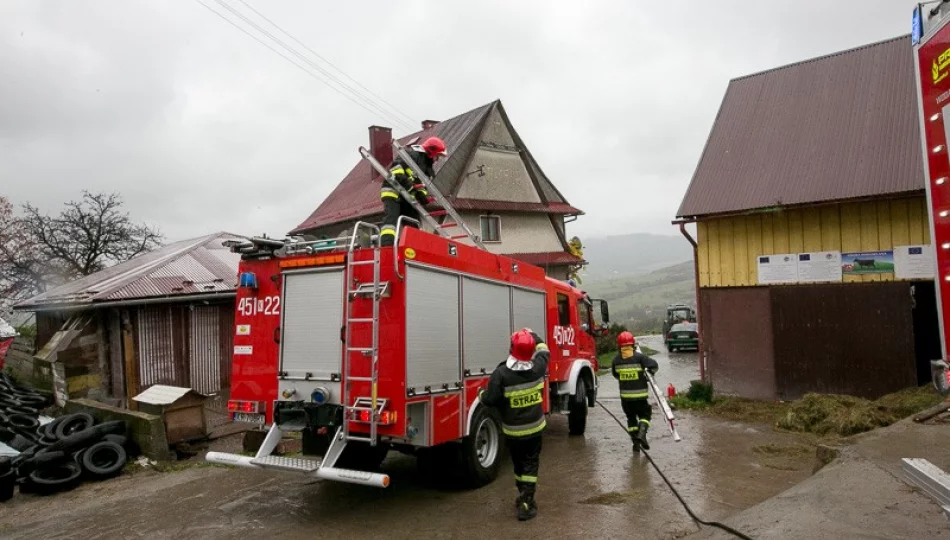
(428, 217)
(373, 290)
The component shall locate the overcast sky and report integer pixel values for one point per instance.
(200, 128)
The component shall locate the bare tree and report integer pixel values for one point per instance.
(39, 250)
(21, 275)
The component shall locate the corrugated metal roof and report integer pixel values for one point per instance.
(838, 127)
(546, 258)
(196, 266)
(357, 196)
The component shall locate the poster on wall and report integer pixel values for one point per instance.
(780, 268)
(914, 262)
(867, 262)
(819, 266)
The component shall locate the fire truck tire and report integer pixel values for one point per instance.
(577, 415)
(481, 452)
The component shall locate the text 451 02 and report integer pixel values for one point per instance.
(269, 305)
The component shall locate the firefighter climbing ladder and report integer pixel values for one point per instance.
(428, 217)
(376, 290)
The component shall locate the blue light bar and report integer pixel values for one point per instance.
(247, 280)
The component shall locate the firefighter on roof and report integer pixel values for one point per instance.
(516, 389)
(628, 368)
(425, 156)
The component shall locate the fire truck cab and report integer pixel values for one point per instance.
(367, 349)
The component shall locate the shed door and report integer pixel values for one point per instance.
(205, 356)
(157, 342)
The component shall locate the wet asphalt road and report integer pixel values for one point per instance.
(589, 487)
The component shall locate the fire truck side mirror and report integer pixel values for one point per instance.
(604, 311)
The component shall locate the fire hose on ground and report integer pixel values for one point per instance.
(668, 416)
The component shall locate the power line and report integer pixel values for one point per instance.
(376, 112)
(315, 53)
(296, 53)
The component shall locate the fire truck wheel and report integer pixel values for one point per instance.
(481, 451)
(577, 416)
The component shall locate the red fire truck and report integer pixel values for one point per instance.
(931, 40)
(368, 349)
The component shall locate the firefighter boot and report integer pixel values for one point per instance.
(642, 435)
(634, 437)
(527, 508)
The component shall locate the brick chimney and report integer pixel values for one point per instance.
(381, 145)
(428, 124)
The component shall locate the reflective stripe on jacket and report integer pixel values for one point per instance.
(628, 368)
(518, 394)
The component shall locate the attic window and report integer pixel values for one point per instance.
(491, 228)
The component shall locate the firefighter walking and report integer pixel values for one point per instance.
(628, 368)
(516, 389)
(425, 156)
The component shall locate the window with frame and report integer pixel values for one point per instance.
(563, 310)
(491, 228)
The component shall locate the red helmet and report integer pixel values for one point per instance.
(522, 345)
(626, 338)
(434, 147)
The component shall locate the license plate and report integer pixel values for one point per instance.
(249, 418)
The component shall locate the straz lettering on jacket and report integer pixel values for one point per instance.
(527, 397)
(629, 373)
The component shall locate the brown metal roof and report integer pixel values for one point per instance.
(838, 127)
(357, 196)
(188, 267)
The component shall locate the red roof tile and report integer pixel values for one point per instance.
(833, 128)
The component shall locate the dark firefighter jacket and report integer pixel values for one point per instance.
(516, 389)
(629, 371)
(407, 177)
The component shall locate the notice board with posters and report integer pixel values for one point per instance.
(779, 268)
(819, 266)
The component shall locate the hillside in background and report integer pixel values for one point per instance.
(639, 253)
(639, 301)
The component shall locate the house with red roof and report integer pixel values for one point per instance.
(490, 178)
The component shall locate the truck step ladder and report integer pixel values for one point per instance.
(428, 217)
(373, 291)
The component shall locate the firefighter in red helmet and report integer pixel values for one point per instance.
(628, 368)
(516, 390)
(425, 156)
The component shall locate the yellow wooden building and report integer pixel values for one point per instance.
(819, 156)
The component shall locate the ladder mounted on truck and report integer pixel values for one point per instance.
(455, 220)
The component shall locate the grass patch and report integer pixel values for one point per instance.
(819, 414)
(781, 450)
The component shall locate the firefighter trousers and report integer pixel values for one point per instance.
(637, 410)
(526, 456)
(395, 207)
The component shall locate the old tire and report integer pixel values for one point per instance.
(61, 477)
(74, 423)
(577, 415)
(104, 460)
(76, 441)
(131, 448)
(7, 484)
(481, 452)
(114, 427)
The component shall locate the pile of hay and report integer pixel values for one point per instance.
(824, 414)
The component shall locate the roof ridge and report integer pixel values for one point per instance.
(819, 58)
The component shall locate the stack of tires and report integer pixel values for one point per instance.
(58, 455)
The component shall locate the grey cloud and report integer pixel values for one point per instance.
(202, 129)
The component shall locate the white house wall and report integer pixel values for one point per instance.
(520, 233)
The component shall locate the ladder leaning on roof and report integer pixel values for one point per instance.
(428, 217)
